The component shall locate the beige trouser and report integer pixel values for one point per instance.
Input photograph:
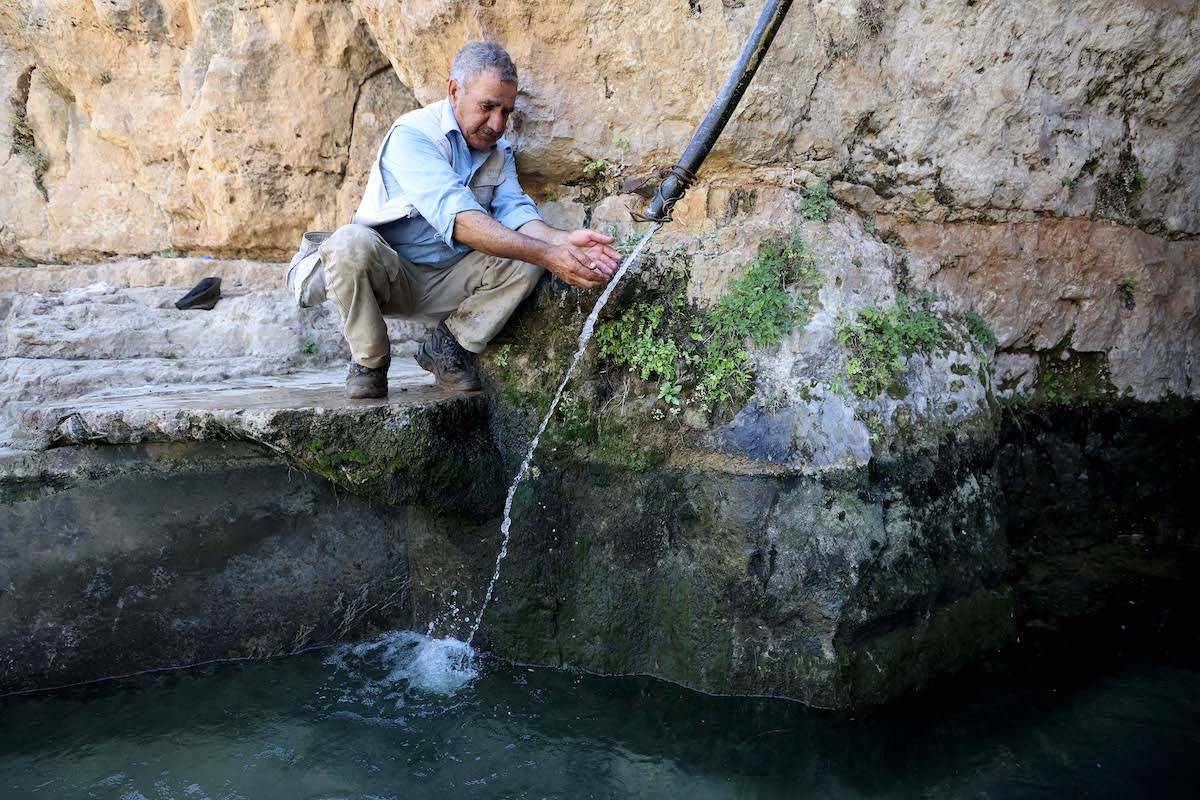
(367, 279)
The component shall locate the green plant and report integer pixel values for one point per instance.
(502, 356)
(25, 145)
(623, 144)
(1136, 185)
(639, 340)
(309, 347)
(596, 169)
(1075, 379)
(816, 204)
(869, 226)
(701, 357)
(879, 343)
(1128, 291)
(1068, 183)
(979, 330)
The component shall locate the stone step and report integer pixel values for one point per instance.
(57, 346)
(102, 321)
(236, 406)
(27, 383)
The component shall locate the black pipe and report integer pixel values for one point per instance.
(681, 176)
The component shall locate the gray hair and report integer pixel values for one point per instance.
(476, 57)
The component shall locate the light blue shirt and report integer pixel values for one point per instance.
(441, 190)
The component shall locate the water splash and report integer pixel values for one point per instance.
(402, 661)
(584, 337)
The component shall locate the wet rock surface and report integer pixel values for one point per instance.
(125, 558)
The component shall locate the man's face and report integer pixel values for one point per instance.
(482, 109)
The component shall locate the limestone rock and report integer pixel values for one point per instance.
(188, 125)
(199, 125)
(942, 109)
(1091, 287)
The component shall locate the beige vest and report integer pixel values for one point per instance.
(377, 208)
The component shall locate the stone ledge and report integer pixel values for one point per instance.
(418, 444)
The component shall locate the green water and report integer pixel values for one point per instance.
(355, 725)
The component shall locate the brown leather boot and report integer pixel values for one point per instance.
(366, 382)
(452, 365)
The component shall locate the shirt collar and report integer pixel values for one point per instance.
(449, 123)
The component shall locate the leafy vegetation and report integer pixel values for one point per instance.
(25, 145)
(1137, 183)
(880, 341)
(1074, 379)
(816, 204)
(979, 330)
(1128, 290)
(596, 169)
(699, 357)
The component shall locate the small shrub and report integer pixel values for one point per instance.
(879, 342)
(816, 203)
(1136, 185)
(597, 169)
(700, 357)
(979, 330)
(1128, 292)
(25, 145)
(309, 347)
(639, 340)
(870, 17)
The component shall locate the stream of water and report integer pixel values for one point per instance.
(585, 336)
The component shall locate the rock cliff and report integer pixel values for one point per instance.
(1041, 163)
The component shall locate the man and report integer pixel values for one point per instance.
(444, 231)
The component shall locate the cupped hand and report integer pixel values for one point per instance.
(596, 245)
(577, 266)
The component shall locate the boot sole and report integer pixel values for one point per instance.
(371, 393)
(453, 384)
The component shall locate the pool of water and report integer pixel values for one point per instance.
(399, 718)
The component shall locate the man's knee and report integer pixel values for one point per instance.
(351, 248)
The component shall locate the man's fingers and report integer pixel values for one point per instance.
(600, 238)
(600, 256)
(604, 264)
(588, 278)
(585, 277)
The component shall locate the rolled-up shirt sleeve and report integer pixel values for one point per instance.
(412, 163)
(511, 207)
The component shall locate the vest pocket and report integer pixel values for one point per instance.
(489, 176)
